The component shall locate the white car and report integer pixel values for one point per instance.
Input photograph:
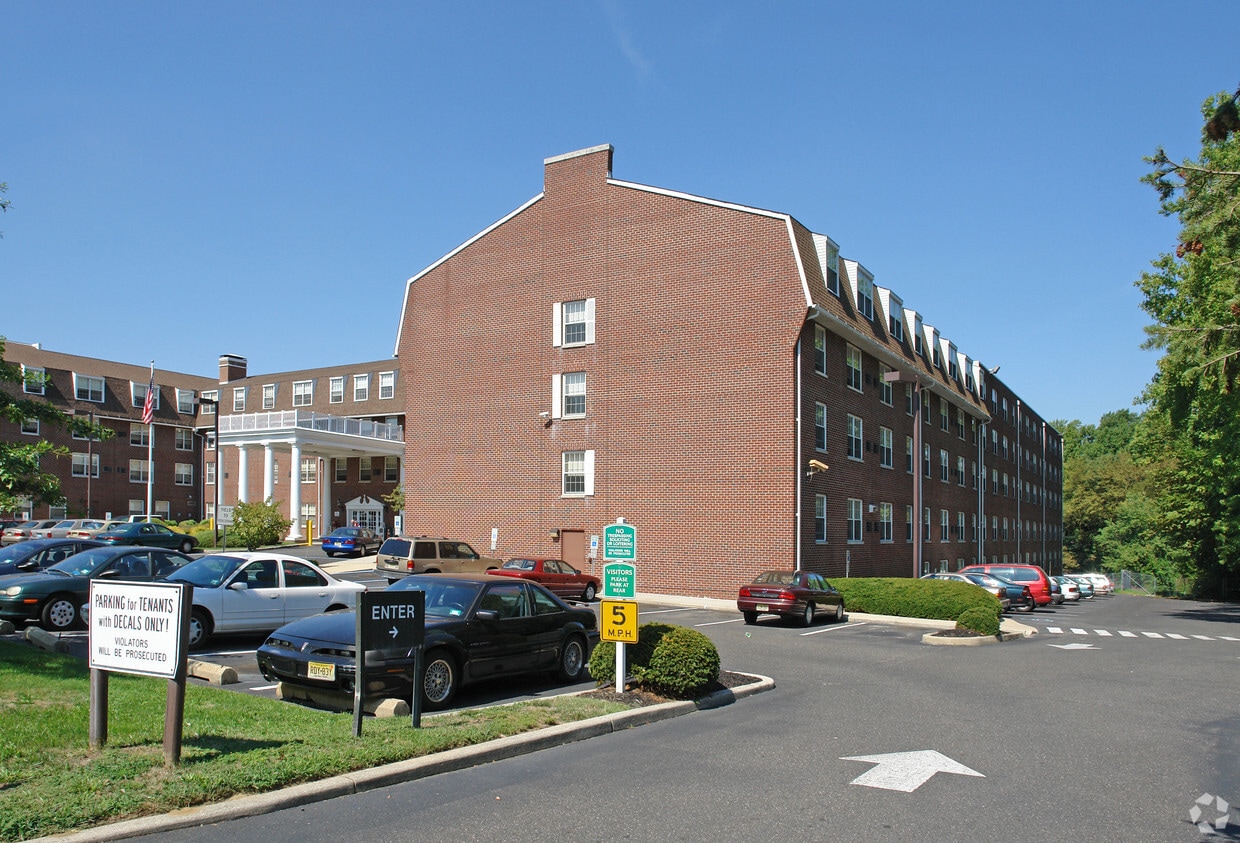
(258, 592)
(1071, 591)
(1102, 583)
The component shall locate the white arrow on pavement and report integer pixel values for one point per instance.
(907, 771)
(1076, 646)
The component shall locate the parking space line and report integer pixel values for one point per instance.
(663, 611)
(264, 687)
(716, 623)
(834, 628)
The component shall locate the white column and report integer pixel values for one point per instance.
(269, 472)
(294, 495)
(243, 473)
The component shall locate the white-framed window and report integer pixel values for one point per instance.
(342, 470)
(908, 454)
(363, 469)
(238, 399)
(208, 473)
(309, 510)
(884, 385)
(139, 472)
(269, 396)
(833, 270)
(335, 390)
(854, 521)
(944, 465)
(568, 395)
(884, 523)
(163, 509)
(925, 460)
(973, 525)
(185, 474)
(573, 323)
(577, 473)
(918, 332)
(82, 461)
(820, 349)
(387, 385)
(208, 441)
(820, 426)
(908, 523)
(30, 427)
(926, 526)
(959, 526)
(959, 423)
(391, 469)
(184, 439)
(959, 471)
(895, 322)
(865, 296)
(884, 447)
(852, 359)
(139, 434)
(303, 393)
(89, 388)
(944, 415)
(137, 506)
(186, 402)
(137, 394)
(854, 437)
(310, 469)
(211, 395)
(34, 380)
(361, 387)
(820, 519)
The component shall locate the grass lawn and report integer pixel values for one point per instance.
(233, 743)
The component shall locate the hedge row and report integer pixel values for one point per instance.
(939, 599)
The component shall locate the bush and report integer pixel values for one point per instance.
(909, 598)
(674, 661)
(258, 524)
(980, 620)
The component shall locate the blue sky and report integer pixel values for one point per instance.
(260, 178)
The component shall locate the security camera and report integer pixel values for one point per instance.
(544, 414)
(817, 466)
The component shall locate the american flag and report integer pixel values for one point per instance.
(148, 406)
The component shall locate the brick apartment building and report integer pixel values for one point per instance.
(717, 376)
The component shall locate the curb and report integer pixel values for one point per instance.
(404, 771)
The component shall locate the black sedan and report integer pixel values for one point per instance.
(1019, 596)
(52, 597)
(37, 554)
(148, 534)
(478, 626)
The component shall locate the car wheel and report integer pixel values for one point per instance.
(589, 593)
(187, 546)
(59, 613)
(807, 616)
(839, 612)
(572, 659)
(438, 680)
(330, 553)
(750, 617)
(199, 628)
(1031, 605)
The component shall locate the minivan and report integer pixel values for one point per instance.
(1038, 580)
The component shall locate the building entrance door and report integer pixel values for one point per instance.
(573, 548)
(365, 512)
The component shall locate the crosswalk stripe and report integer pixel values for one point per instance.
(1054, 630)
(1102, 632)
(1077, 631)
(1228, 638)
(1126, 634)
(1203, 638)
(1151, 635)
(1176, 636)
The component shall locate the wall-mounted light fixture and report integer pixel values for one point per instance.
(555, 534)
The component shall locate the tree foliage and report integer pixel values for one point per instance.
(24, 478)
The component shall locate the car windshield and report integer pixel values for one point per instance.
(776, 577)
(207, 571)
(14, 552)
(83, 564)
(519, 564)
(444, 598)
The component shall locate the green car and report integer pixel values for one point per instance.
(52, 596)
(148, 534)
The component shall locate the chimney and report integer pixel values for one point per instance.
(232, 367)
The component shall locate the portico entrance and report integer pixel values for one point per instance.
(365, 512)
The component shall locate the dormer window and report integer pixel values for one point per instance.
(833, 270)
(865, 297)
(895, 323)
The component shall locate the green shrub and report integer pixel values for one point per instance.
(258, 524)
(980, 620)
(674, 661)
(914, 598)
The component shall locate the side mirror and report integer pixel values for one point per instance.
(486, 615)
(239, 585)
(28, 565)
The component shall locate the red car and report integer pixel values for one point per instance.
(793, 594)
(1031, 575)
(557, 575)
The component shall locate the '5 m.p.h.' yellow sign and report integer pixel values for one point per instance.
(618, 619)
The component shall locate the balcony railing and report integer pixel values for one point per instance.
(290, 419)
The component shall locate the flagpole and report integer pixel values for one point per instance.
(147, 411)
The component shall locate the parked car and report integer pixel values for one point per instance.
(1038, 580)
(25, 531)
(1085, 584)
(1071, 591)
(51, 598)
(258, 592)
(37, 554)
(357, 540)
(89, 532)
(994, 586)
(6, 524)
(791, 594)
(478, 626)
(61, 529)
(399, 557)
(1019, 596)
(1101, 582)
(556, 575)
(148, 534)
(152, 519)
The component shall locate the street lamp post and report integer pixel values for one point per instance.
(915, 380)
(215, 434)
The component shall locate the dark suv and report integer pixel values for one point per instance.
(1031, 575)
(401, 556)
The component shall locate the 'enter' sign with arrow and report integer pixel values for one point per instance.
(907, 771)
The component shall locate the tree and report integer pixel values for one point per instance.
(23, 479)
(258, 524)
(1193, 297)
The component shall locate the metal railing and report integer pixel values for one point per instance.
(289, 419)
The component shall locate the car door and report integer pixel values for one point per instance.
(306, 592)
(252, 599)
(554, 577)
(501, 645)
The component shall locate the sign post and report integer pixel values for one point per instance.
(618, 611)
(389, 623)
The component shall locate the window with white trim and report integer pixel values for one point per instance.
(895, 322)
(205, 408)
(908, 523)
(577, 473)
(303, 393)
(908, 454)
(820, 519)
(925, 460)
(139, 472)
(573, 323)
(184, 439)
(820, 349)
(238, 399)
(30, 427)
(568, 396)
(361, 387)
(139, 434)
(884, 385)
(269, 396)
(944, 415)
(852, 360)
(335, 390)
(137, 506)
(88, 388)
(208, 473)
(960, 471)
(184, 474)
(80, 463)
(387, 385)
(186, 402)
(854, 437)
(854, 520)
(34, 380)
(884, 447)
(959, 526)
(820, 426)
(865, 296)
(884, 523)
(833, 270)
(342, 470)
(391, 469)
(137, 394)
(309, 470)
(944, 465)
(363, 469)
(163, 509)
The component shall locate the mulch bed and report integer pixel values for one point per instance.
(637, 697)
(959, 633)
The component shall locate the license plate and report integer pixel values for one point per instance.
(762, 607)
(321, 670)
